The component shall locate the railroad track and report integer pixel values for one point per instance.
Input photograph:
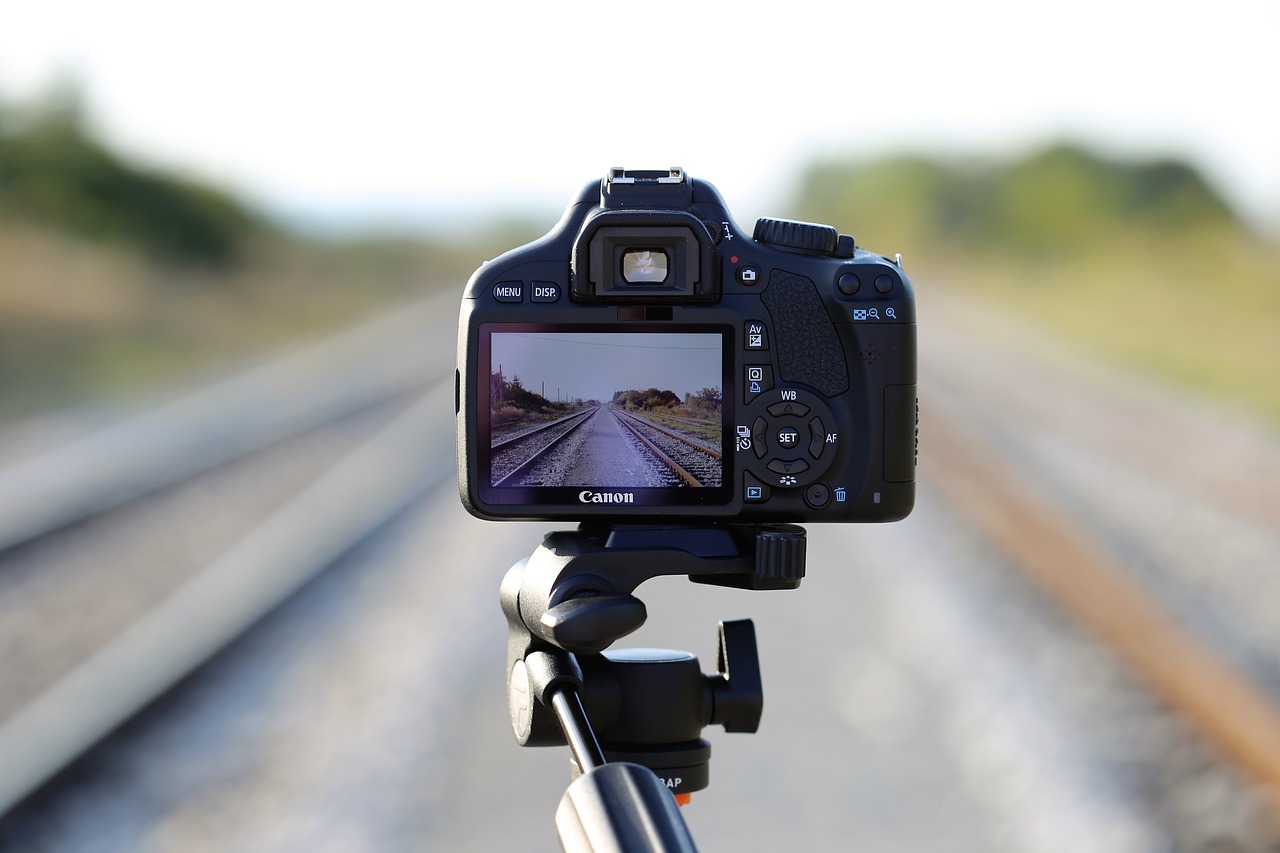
(514, 456)
(980, 441)
(1234, 713)
(153, 544)
(579, 449)
(693, 463)
(1162, 582)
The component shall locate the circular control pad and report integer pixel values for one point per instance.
(793, 438)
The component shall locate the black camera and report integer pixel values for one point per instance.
(648, 361)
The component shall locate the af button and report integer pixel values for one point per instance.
(819, 438)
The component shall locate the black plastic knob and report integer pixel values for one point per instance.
(780, 554)
(739, 695)
(798, 236)
(590, 624)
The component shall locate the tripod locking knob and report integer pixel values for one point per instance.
(780, 554)
(737, 692)
(591, 623)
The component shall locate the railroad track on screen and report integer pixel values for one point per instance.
(514, 456)
(695, 464)
(538, 456)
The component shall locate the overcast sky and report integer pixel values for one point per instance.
(388, 109)
(568, 366)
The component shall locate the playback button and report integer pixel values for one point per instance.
(753, 491)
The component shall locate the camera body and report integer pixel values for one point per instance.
(648, 361)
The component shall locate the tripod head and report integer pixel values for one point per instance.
(569, 601)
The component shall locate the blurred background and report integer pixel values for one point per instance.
(211, 212)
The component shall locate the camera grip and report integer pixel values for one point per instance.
(809, 349)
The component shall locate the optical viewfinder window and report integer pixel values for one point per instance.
(644, 266)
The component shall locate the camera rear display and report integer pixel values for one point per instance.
(648, 360)
(625, 416)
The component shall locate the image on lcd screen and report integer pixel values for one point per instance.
(605, 409)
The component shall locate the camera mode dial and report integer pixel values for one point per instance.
(808, 237)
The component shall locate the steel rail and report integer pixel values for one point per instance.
(529, 433)
(196, 433)
(524, 466)
(675, 467)
(686, 439)
(340, 508)
(1224, 705)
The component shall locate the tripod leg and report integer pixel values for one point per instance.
(621, 808)
(612, 808)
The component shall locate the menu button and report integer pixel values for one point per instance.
(509, 291)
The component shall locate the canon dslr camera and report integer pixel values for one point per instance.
(649, 361)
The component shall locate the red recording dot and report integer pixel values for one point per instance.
(734, 259)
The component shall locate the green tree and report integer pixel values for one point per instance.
(53, 171)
